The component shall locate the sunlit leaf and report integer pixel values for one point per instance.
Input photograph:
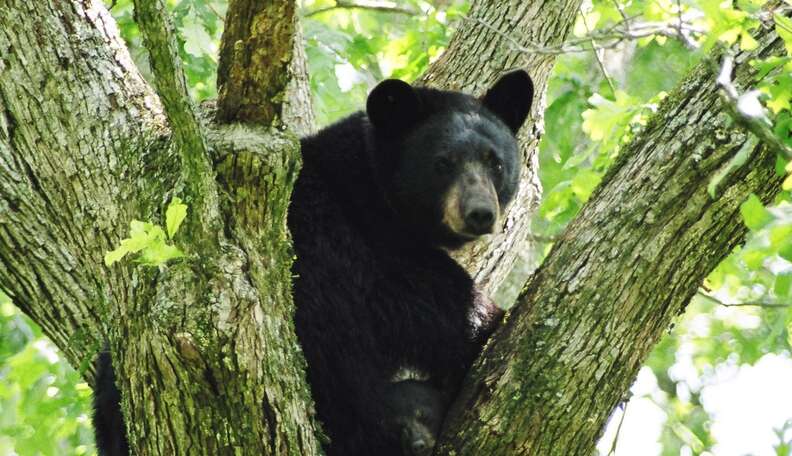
(783, 285)
(115, 255)
(754, 214)
(174, 216)
(783, 26)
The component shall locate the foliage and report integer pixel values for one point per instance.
(760, 272)
(349, 51)
(589, 119)
(44, 402)
(199, 24)
(149, 241)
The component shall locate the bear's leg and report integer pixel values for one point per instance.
(415, 413)
(107, 419)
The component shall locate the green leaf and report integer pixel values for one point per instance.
(783, 285)
(786, 251)
(754, 258)
(789, 343)
(149, 240)
(115, 255)
(139, 236)
(197, 41)
(608, 118)
(754, 213)
(584, 184)
(160, 253)
(747, 42)
(780, 164)
(779, 235)
(780, 93)
(174, 216)
(156, 234)
(764, 67)
(784, 29)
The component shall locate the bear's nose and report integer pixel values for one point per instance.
(479, 220)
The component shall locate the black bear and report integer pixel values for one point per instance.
(388, 322)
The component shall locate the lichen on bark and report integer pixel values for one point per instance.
(255, 57)
(622, 270)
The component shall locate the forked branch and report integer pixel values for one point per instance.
(159, 39)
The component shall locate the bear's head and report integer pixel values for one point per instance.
(448, 163)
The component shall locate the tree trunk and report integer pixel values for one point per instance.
(204, 348)
(611, 286)
(80, 131)
(476, 57)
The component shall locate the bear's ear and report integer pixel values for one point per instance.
(510, 98)
(393, 106)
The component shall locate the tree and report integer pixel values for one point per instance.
(205, 346)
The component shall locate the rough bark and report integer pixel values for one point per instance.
(204, 348)
(197, 183)
(216, 368)
(623, 269)
(475, 58)
(73, 112)
(298, 114)
(263, 75)
(255, 54)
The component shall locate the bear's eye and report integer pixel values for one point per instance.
(443, 165)
(493, 161)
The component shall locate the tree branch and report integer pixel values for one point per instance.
(71, 133)
(370, 5)
(746, 109)
(623, 269)
(476, 57)
(298, 113)
(771, 305)
(256, 53)
(623, 405)
(197, 176)
(204, 350)
(608, 38)
(596, 50)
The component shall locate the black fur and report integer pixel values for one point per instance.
(375, 290)
(107, 419)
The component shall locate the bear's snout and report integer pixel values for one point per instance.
(479, 219)
(471, 205)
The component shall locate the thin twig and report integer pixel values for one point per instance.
(597, 55)
(746, 110)
(370, 5)
(682, 31)
(623, 14)
(612, 451)
(679, 14)
(771, 305)
(214, 10)
(607, 38)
